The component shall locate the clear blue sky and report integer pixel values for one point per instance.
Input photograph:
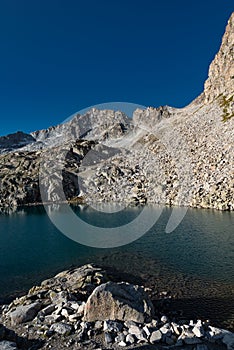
(60, 56)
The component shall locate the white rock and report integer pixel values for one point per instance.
(199, 323)
(146, 330)
(155, 337)
(81, 308)
(73, 318)
(112, 326)
(164, 319)
(130, 339)
(64, 313)
(176, 328)
(122, 343)
(135, 330)
(165, 330)
(98, 325)
(74, 305)
(198, 331)
(138, 332)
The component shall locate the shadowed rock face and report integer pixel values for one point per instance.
(14, 141)
(19, 174)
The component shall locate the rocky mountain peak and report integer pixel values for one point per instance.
(14, 141)
(221, 70)
(151, 116)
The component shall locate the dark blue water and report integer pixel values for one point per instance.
(32, 249)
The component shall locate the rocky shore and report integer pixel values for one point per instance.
(92, 308)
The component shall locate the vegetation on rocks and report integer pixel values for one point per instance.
(228, 107)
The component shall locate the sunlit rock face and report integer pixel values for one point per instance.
(95, 124)
(221, 71)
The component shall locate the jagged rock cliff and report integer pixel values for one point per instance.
(221, 71)
(162, 155)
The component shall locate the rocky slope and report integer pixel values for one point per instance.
(89, 308)
(162, 155)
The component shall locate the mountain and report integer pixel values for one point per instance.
(162, 155)
(14, 141)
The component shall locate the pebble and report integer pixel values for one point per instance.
(138, 332)
(120, 337)
(146, 330)
(130, 339)
(61, 328)
(155, 337)
(166, 330)
(198, 331)
(112, 326)
(98, 325)
(122, 343)
(164, 319)
(108, 338)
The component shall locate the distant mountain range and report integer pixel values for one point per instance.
(162, 155)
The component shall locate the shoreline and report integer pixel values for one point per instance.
(75, 284)
(81, 201)
(194, 296)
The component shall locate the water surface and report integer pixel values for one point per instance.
(32, 249)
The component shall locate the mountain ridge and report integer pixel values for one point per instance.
(174, 156)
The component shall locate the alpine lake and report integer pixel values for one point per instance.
(193, 265)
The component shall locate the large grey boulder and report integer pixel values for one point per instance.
(118, 301)
(61, 328)
(24, 313)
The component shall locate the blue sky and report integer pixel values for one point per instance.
(60, 56)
